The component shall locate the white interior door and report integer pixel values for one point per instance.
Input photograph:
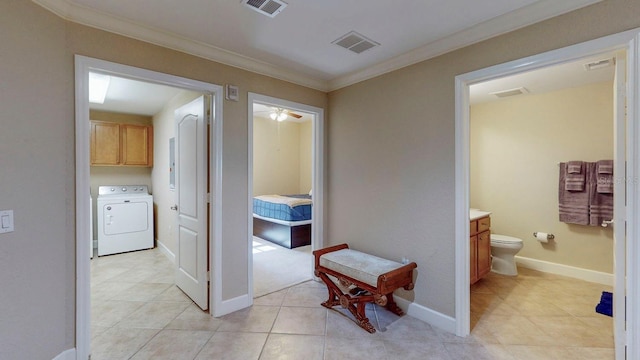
(191, 192)
(619, 206)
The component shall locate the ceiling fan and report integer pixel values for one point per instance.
(281, 114)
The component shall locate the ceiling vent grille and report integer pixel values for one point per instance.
(271, 8)
(510, 92)
(599, 64)
(355, 42)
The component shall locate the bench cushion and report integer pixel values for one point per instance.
(358, 265)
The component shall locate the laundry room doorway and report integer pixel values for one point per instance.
(209, 157)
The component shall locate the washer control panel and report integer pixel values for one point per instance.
(106, 190)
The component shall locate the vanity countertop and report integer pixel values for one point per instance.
(475, 214)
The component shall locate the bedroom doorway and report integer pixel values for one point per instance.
(285, 192)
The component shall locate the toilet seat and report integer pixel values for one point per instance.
(504, 239)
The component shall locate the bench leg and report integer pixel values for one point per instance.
(355, 305)
(392, 306)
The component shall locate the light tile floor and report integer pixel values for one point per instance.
(138, 313)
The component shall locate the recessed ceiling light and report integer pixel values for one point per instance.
(98, 86)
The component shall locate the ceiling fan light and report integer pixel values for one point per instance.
(278, 114)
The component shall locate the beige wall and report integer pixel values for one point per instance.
(391, 141)
(516, 145)
(37, 260)
(276, 157)
(163, 196)
(99, 44)
(37, 154)
(306, 153)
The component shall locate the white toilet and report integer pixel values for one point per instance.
(503, 250)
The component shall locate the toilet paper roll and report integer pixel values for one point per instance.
(542, 237)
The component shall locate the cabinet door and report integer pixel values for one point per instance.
(484, 253)
(137, 143)
(105, 143)
(473, 258)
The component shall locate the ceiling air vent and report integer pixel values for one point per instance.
(510, 92)
(271, 8)
(355, 42)
(599, 64)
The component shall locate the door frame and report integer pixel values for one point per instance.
(628, 41)
(317, 169)
(83, 65)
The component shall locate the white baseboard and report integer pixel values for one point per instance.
(431, 317)
(566, 270)
(66, 355)
(165, 250)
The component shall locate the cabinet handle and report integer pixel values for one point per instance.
(174, 207)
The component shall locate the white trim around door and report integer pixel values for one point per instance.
(317, 176)
(628, 42)
(84, 65)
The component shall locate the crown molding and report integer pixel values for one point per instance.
(511, 21)
(516, 19)
(107, 22)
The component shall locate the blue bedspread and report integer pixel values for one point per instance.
(282, 211)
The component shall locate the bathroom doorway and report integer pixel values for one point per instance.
(463, 82)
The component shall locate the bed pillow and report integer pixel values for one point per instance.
(310, 192)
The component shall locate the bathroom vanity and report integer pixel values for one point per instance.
(480, 244)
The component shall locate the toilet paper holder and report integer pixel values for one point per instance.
(549, 236)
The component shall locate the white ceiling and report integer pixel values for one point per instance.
(552, 78)
(296, 45)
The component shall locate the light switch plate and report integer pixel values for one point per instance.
(6, 221)
(232, 93)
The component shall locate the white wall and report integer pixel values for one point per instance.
(163, 196)
(516, 145)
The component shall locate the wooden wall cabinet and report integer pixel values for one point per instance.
(480, 248)
(115, 144)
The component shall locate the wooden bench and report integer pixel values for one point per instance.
(374, 279)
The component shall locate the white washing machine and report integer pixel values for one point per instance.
(125, 219)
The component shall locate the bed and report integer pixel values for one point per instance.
(283, 219)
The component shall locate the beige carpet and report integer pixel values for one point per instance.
(276, 267)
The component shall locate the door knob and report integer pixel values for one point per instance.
(174, 207)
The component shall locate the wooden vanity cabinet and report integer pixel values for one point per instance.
(115, 144)
(480, 248)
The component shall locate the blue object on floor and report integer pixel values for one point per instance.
(605, 306)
